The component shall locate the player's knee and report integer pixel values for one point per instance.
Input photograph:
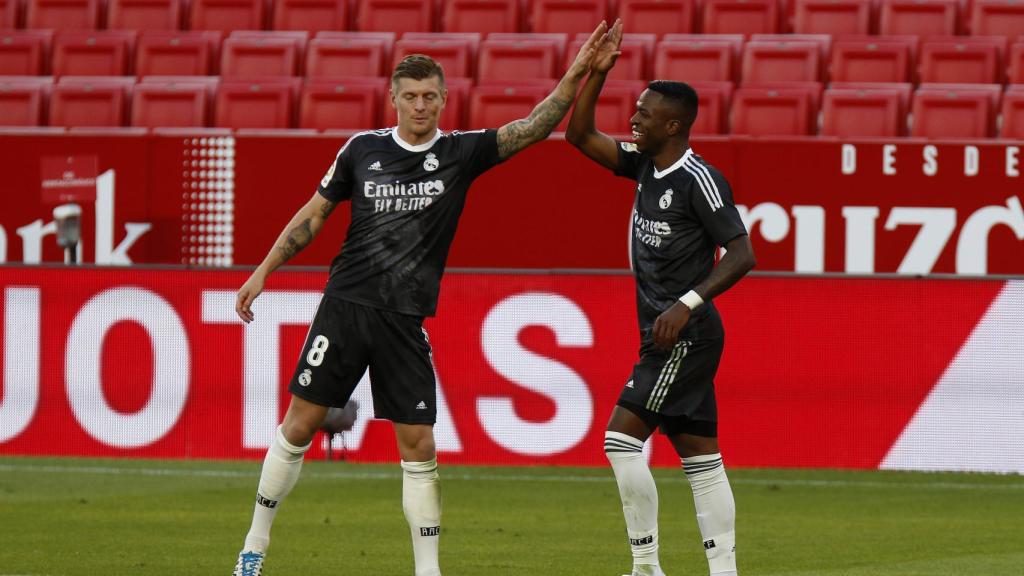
(619, 446)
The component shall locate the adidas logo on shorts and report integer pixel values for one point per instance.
(422, 405)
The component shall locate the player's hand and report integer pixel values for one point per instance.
(247, 294)
(585, 57)
(669, 324)
(608, 51)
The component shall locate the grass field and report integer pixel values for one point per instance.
(120, 517)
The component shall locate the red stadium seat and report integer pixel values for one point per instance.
(775, 111)
(864, 112)
(161, 53)
(767, 61)
(569, 16)
(342, 104)
(172, 104)
(658, 17)
(395, 16)
(834, 17)
(996, 18)
(615, 106)
(955, 110)
(227, 15)
(263, 103)
(350, 54)
(822, 41)
(93, 53)
(144, 14)
(9, 13)
(23, 100)
(919, 17)
(253, 54)
(905, 90)
(455, 56)
(963, 59)
(310, 15)
(698, 57)
(495, 105)
(501, 60)
(481, 16)
(90, 102)
(873, 59)
(454, 115)
(63, 14)
(741, 17)
(1015, 70)
(713, 100)
(633, 64)
(25, 52)
(1013, 113)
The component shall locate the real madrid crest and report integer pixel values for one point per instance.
(430, 163)
(666, 199)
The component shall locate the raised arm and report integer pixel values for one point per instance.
(519, 134)
(582, 133)
(300, 231)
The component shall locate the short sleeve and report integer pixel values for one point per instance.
(478, 150)
(630, 161)
(713, 202)
(336, 184)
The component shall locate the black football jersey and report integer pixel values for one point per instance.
(681, 215)
(406, 203)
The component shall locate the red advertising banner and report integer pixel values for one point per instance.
(817, 372)
(812, 205)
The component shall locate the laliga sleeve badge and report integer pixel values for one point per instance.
(666, 199)
(431, 163)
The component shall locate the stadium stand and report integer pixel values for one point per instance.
(1015, 69)
(259, 103)
(658, 17)
(919, 18)
(1013, 113)
(90, 101)
(455, 54)
(962, 59)
(93, 53)
(835, 17)
(781, 61)
(698, 57)
(25, 52)
(227, 15)
(252, 54)
(144, 14)
(184, 53)
(996, 18)
(23, 100)
(955, 110)
(776, 110)
(633, 64)
(10, 13)
(342, 54)
(713, 100)
(615, 106)
(868, 111)
(170, 104)
(310, 15)
(740, 17)
(502, 60)
(481, 16)
(62, 14)
(342, 104)
(495, 105)
(874, 59)
(569, 16)
(395, 16)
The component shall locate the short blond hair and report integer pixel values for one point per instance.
(418, 67)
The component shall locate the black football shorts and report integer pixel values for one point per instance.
(345, 339)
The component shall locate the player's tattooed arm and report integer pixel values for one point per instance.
(300, 231)
(519, 134)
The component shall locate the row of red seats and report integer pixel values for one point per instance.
(847, 109)
(501, 57)
(887, 17)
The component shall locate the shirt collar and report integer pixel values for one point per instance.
(419, 147)
(672, 168)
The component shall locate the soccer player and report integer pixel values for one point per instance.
(682, 212)
(407, 186)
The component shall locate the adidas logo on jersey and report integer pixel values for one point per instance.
(629, 384)
(422, 405)
(375, 166)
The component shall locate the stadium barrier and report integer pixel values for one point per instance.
(813, 205)
(818, 371)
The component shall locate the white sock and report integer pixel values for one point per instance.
(421, 500)
(639, 495)
(281, 470)
(716, 511)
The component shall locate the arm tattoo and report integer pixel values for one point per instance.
(517, 135)
(298, 238)
(327, 208)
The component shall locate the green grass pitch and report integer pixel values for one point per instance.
(108, 517)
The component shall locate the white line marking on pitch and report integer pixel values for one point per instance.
(453, 475)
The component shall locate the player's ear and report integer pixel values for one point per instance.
(673, 127)
(391, 95)
(444, 97)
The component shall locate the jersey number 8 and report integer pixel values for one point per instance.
(316, 352)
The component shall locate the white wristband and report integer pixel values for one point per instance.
(692, 300)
